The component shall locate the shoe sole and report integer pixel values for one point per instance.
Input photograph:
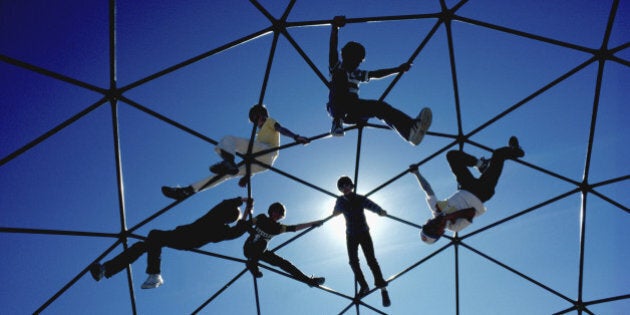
(422, 124)
(386, 301)
(219, 169)
(513, 143)
(154, 286)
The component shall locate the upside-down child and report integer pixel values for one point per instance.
(457, 211)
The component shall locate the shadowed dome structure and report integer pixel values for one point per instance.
(104, 102)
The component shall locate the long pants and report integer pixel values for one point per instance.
(232, 145)
(365, 241)
(482, 187)
(255, 254)
(360, 110)
(180, 238)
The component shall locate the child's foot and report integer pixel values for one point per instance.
(153, 281)
(224, 167)
(316, 281)
(177, 193)
(337, 128)
(97, 271)
(513, 144)
(482, 164)
(253, 268)
(386, 301)
(243, 181)
(420, 126)
(363, 291)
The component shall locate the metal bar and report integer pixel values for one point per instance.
(524, 34)
(395, 178)
(413, 56)
(73, 281)
(225, 287)
(52, 74)
(451, 55)
(167, 120)
(190, 61)
(56, 232)
(532, 96)
(517, 272)
(540, 205)
(52, 132)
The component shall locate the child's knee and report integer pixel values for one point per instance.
(452, 155)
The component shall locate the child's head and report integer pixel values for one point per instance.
(344, 184)
(432, 230)
(276, 211)
(256, 112)
(352, 54)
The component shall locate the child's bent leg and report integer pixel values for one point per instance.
(393, 117)
(459, 162)
(124, 259)
(285, 265)
(490, 177)
(267, 158)
(231, 145)
(157, 239)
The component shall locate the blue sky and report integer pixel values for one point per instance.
(522, 68)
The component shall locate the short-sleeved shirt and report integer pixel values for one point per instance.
(353, 78)
(268, 133)
(460, 200)
(264, 229)
(352, 207)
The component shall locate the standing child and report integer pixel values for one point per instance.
(458, 211)
(211, 228)
(268, 137)
(352, 206)
(263, 230)
(344, 104)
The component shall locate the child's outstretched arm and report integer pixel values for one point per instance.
(302, 226)
(381, 73)
(424, 184)
(333, 54)
(286, 132)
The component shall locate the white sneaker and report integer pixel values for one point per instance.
(482, 164)
(153, 281)
(420, 126)
(337, 128)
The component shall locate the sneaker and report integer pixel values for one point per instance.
(386, 301)
(316, 281)
(513, 144)
(243, 181)
(253, 268)
(177, 193)
(482, 164)
(97, 271)
(153, 281)
(337, 128)
(363, 291)
(420, 126)
(224, 167)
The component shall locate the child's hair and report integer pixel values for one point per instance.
(343, 182)
(432, 230)
(353, 50)
(277, 207)
(256, 111)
